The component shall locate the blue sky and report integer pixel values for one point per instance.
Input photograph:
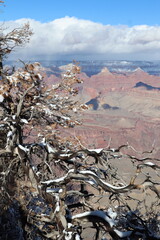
(94, 29)
(114, 12)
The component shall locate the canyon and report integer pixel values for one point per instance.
(123, 108)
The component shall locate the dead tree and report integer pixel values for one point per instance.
(9, 40)
(52, 186)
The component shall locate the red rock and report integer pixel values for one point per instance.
(133, 115)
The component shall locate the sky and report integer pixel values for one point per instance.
(94, 29)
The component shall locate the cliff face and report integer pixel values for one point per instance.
(108, 82)
(123, 108)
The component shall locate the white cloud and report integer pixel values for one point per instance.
(75, 37)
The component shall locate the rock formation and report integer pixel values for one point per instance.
(123, 108)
